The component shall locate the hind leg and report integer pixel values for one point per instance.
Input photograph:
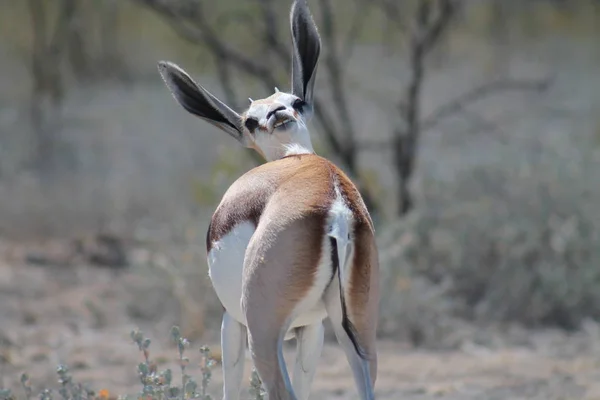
(268, 315)
(309, 344)
(233, 348)
(364, 362)
(269, 363)
(282, 279)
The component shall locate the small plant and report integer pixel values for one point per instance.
(156, 385)
(206, 365)
(6, 394)
(46, 394)
(69, 390)
(256, 390)
(188, 385)
(26, 386)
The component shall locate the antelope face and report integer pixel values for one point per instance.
(275, 123)
(271, 126)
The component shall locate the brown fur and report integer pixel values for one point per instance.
(362, 304)
(300, 187)
(288, 201)
(304, 182)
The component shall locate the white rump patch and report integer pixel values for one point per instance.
(226, 265)
(340, 226)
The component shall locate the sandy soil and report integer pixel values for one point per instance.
(82, 316)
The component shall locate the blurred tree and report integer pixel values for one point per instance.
(422, 22)
(62, 43)
(109, 60)
(430, 22)
(425, 30)
(76, 45)
(50, 39)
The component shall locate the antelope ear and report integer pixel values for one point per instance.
(199, 101)
(306, 49)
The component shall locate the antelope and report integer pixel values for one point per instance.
(291, 242)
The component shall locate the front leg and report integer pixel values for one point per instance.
(233, 353)
(309, 344)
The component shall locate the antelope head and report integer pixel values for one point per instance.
(273, 125)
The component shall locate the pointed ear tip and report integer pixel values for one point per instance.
(298, 6)
(169, 68)
(164, 66)
(301, 13)
(300, 3)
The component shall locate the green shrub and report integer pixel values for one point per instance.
(156, 385)
(492, 248)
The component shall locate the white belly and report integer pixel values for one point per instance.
(225, 267)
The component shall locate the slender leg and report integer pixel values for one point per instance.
(364, 370)
(277, 278)
(309, 345)
(267, 354)
(233, 348)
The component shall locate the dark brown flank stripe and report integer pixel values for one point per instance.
(223, 221)
(250, 202)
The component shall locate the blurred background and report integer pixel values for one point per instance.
(471, 127)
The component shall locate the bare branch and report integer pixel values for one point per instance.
(238, 17)
(38, 24)
(327, 126)
(478, 123)
(426, 32)
(346, 145)
(360, 16)
(271, 34)
(225, 80)
(336, 83)
(192, 26)
(47, 90)
(393, 13)
(458, 106)
(432, 34)
(478, 93)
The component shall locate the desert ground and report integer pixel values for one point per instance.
(82, 316)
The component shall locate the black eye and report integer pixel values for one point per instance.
(299, 105)
(251, 124)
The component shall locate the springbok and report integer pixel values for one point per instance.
(291, 242)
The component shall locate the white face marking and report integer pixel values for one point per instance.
(278, 122)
